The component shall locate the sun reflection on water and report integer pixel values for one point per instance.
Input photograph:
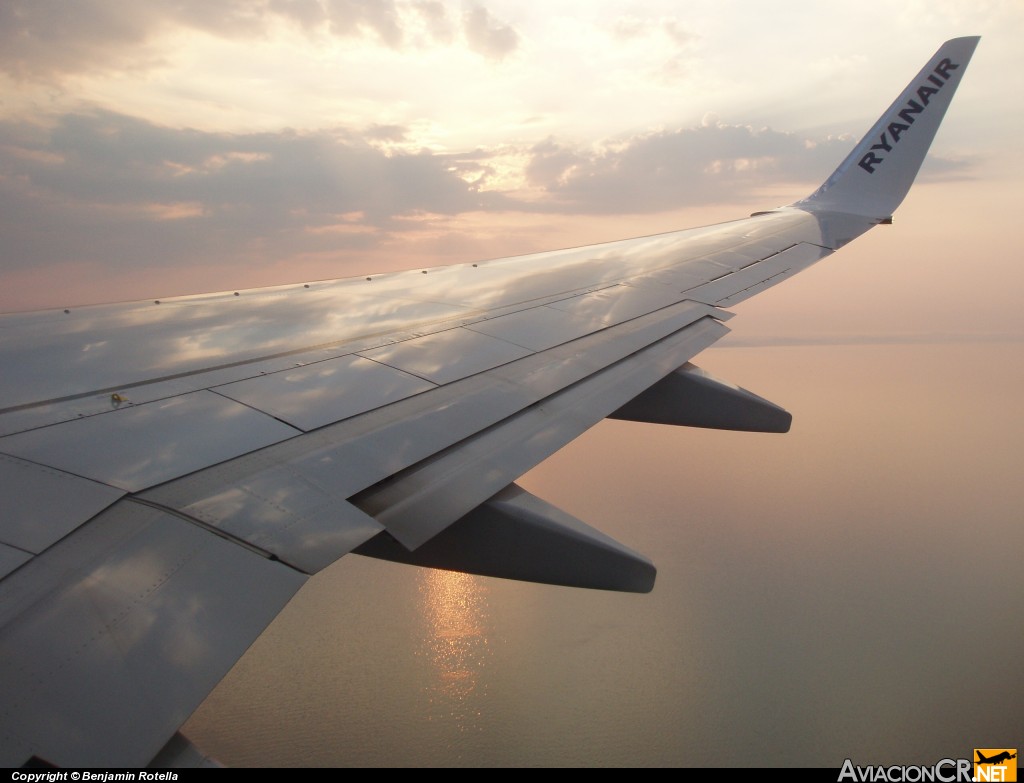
(456, 645)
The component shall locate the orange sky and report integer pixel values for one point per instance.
(164, 152)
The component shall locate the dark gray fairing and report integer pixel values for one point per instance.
(517, 535)
(692, 397)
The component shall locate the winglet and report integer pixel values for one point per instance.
(875, 177)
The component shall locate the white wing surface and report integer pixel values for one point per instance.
(171, 472)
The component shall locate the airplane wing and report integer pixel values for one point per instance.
(171, 472)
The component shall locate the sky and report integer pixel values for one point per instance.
(174, 148)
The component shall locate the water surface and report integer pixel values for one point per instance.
(850, 589)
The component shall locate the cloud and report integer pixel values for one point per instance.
(669, 169)
(352, 17)
(307, 14)
(122, 193)
(118, 190)
(436, 20)
(714, 162)
(630, 27)
(664, 35)
(39, 38)
(551, 165)
(487, 36)
(48, 39)
(387, 133)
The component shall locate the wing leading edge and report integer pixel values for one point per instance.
(165, 492)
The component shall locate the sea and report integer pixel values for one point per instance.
(850, 589)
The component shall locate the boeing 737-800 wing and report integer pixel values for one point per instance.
(172, 471)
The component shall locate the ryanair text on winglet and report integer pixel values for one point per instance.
(896, 129)
(943, 771)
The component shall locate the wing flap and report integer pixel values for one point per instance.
(418, 503)
(12, 558)
(278, 510)
(345, 458)
(159, 610)
(39, 505)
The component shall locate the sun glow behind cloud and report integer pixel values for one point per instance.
(170, 148)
